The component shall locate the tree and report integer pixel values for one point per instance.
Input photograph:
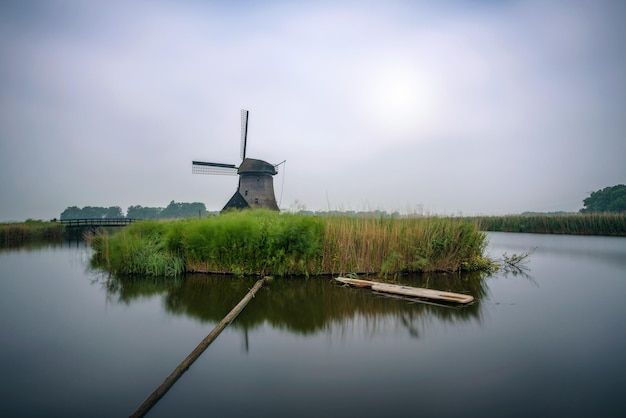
(171, 211)
(184, 210)
(140, 212)
(195, 209)
(72, 212)
(609, 199)
(113, 212)
(93, 212)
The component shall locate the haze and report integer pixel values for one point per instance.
(451, 107)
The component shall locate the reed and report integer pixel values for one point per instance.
(251, 242)
(263, 242)
(19, 233)
(613, 224)
(389, 245)
(137, 250)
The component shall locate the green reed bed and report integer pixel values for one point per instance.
(21, 232)
(139, 249)
(253, 242)
(576, 224)
(264, 242)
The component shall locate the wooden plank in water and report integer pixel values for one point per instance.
(193, 356)
(416, 292)
(355, 282)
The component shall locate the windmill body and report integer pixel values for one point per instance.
(256, 182)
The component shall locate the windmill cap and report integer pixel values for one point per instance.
(250, 165)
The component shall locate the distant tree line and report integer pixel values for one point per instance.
(172, 211)
(609, 199)
(74, 212)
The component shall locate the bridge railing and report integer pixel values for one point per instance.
(93, 222)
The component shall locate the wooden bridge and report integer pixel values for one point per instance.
(97, 222)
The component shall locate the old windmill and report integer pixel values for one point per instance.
(256, 185)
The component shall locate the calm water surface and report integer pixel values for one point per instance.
(548, 342)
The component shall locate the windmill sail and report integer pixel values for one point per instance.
(201, 167)
(256, 187)
(244, 133)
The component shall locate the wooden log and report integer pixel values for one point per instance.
(416, 292)
(193, 356)
(355, 282)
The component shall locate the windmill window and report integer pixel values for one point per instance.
(256, 200)
(246, 193)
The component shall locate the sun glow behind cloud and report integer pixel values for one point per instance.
(400, 99)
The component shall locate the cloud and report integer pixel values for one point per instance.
(460, 106)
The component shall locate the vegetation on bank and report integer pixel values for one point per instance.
(613, 224)
(266, 242)
(609, 199)
(31, 230)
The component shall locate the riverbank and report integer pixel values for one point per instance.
(608, 224)
(15, 234)
(268, 243)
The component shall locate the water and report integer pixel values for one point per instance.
(551, 341)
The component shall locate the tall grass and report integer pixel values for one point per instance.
(388, 245)
(576, 224)
(252, 242)
(265, 242)
(136, 250)
(31, 230)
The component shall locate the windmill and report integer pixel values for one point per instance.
(256, 185)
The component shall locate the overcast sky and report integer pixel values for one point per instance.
(446, 107)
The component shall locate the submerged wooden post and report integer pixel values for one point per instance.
(193, 356)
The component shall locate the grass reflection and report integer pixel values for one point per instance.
(304, 306)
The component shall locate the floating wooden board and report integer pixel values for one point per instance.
(416, 292)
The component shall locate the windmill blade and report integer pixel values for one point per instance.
(201, 167)
(244, 133)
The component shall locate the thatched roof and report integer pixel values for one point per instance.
(252, 166)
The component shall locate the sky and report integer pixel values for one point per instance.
(461, 107)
